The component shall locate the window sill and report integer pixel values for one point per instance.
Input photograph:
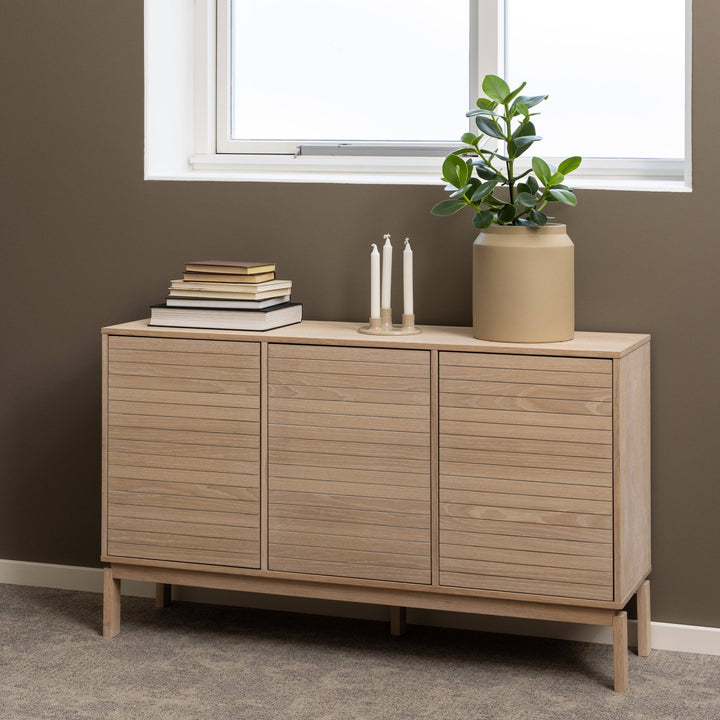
(653, 176)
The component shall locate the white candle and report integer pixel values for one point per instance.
(386, 272)
(374, 282)
(407, 278)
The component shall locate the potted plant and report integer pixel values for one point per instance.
(523, 266)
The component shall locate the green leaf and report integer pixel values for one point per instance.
(533, 184)
(481, 111)
(483, 219)
(489, 127)
(486, 104)
(564, 196)
(482, 190)
(522, 108)
(527, 199)
(448, 207)
(495, 88)
(521, 144)
(540, 168)
(507, 214)
(509, 98)
(530, 101)
(492, 201)
(556, 178)
(484, 170)
(455, 171)
(461, 191)
(524, 188)
(469, 138)
(524, 129)
(537, 217)
(569, 165)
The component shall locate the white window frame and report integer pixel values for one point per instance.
(187, 117)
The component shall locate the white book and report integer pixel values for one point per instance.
(190, 302)
(224, 319)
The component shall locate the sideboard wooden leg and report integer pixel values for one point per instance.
(620, 651)
(398, 620)
(643, 619)
(163, 595)
(111, 604)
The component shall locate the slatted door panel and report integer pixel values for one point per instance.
(183, 443)
(349, 462)
(525, 474)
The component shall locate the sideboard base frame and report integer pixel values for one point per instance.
(396, 600)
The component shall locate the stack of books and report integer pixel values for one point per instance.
(228, 295)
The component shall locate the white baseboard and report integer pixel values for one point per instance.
(665, 636)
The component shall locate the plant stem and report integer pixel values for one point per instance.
(510, 162)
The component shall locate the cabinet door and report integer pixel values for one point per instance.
(183, 451)
(349, 462)
(525, 474)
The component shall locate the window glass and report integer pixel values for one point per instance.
(379, 70)
(614, 71)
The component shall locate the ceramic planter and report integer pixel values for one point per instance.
(523, 284)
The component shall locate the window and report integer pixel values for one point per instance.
(321, 90)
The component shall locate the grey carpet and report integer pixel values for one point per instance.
(198, 661)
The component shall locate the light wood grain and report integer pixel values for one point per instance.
(347, 354)
(337, 407)
(185, 450)
(517, 500)
(184, 528)
(184, 411)
(360, 461)
(527, 530)
(355, 489)
(189, 490)
(526, 460)
(319, 538)
(348, 475)
(531, 557)
(111, 604)
(182, 509)
(169, 462)
(523, 473)
(185, 555)
(344, 515)
(345, 569)
(525, 404)
(367, 382)
(343, 367)
(353, 532)
(512, 514)
(377, 450)
(191, 424)
(188, 437)
(375, 424)
(526, 586)
(158, 357)
(476, 540)
(183, 372)
(620, 652)
(403, 507)
(264, 460)
(583, 344)
(535, 377)
(514, 417)
(369, 437)
(351, 557)
(521, 487)
(526, 390)
(434, 471)
(104, 434)
(141, 472)
(632, 470)
(353, 395)
(184, 346)
(518, 432)
(186, 398)
(525, 362)
(522, 445)
(194, 541)
(249, 386)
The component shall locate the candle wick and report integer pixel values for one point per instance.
(386, 237)
(407, 242)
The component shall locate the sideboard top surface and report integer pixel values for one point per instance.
(435, 337)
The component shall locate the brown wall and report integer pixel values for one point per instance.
(85, 242)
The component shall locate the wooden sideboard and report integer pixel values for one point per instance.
(433, 471)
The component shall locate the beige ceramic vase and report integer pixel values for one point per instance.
(523, 284)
